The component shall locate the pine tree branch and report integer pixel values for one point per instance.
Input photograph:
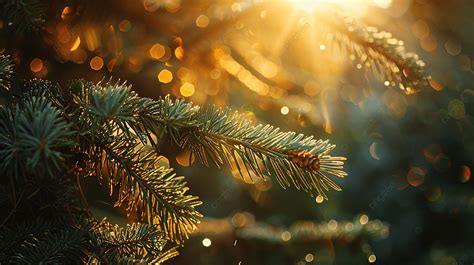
(166, 255)
(6, 70)
(12, 238)
(99, 117)
(135, 242)
(137, 176)
(63, 246)
(215, 136)
(379, 51)
(23, 15)
(42, 242)
(13, 210)
(32, 137)
(114, 125)
(105, 117)
(222, 137)
(9, 137)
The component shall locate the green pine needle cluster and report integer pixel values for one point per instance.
(135, 243)
(215, 136)
(379, 52)
(41, 242)
(23, 16)
(223, 137)
(6, 70)
(91, 242)
(32, 137)
(51, 138)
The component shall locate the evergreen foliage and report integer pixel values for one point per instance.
(6, 69)
(107, 131)
(53, 137)
(24, 16)
(380, 52)
(134, 243)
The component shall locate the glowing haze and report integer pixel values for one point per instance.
(311, 5)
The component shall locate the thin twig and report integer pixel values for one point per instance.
(79, 186)
(13, 210)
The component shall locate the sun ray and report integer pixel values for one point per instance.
(284, 37)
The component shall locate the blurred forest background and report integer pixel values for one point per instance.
(408, 198)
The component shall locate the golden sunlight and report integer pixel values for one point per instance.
(311, 5)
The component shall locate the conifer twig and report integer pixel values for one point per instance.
(6, 70)
(128, 168)
(215, 136)
(222, 137)
(379, 51)
(23, 15)
(153, 191)
(132, 242)
(12, 211)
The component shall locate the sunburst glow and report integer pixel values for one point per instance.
(311, 5)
